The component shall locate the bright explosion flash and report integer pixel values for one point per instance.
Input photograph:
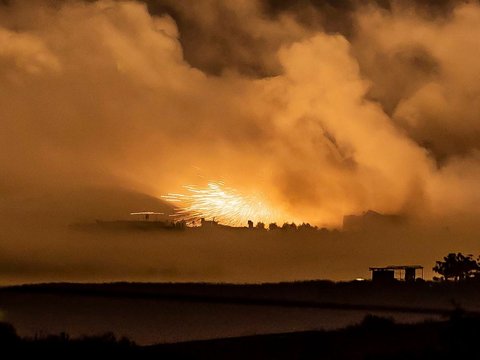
(226, 205)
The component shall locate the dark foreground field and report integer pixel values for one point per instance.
(316, 319)
(150, 313)
(374, 338)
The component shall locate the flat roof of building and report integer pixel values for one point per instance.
(147, 213)
(396, 267)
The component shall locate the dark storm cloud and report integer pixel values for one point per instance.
(224, 46)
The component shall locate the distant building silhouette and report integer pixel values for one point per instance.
(147, 215)
(407, 273)
(208, 223)
(143, 220)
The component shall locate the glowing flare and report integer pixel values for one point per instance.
(226, 205)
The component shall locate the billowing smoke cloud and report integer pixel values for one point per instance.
(375, 110)
(102, 92)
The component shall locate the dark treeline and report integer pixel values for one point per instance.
(375, 338)
(458, 267)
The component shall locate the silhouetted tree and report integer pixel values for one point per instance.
(456, 266)
(304, 226)
(260, 226)
(250, 224)
(8, 335)
(287, 226)
(273, 226)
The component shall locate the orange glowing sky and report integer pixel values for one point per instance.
(329, 124)
(305, 112)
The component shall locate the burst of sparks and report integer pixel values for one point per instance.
(223, 204)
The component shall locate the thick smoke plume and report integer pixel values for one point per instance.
(326, 110)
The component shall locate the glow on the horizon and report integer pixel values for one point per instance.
(226, 205)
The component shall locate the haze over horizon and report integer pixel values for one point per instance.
(319, 109)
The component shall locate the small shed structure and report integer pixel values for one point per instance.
(407, 273)
(147, 215)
